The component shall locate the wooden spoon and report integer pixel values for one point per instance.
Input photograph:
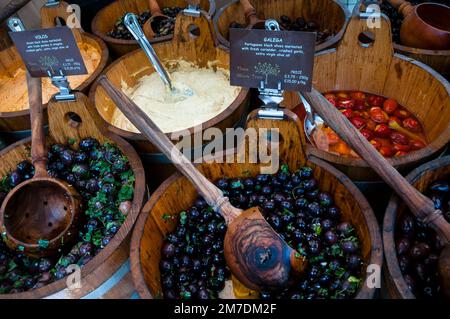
(425, 26)
(251, 16)
(156, 17)
(421, 206)
(255, 253)
(38, 216)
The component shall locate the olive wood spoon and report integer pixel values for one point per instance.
(420, 205)
(156, 16)
(425, 26)
(255, 253)
(39, 215)
(251, 16)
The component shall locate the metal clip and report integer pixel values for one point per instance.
(61, 82)
(192, 10)
(51, 3)
(271, 97)
(16, 25)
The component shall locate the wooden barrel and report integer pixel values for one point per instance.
(328, 14)
(106, 18)
(177, 194)
(114, 255)
(133, 66)
(439, 60)
(420, 178)
(376, 70)
(14, 110)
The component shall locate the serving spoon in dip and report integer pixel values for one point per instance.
(132, 24)
(257, 256)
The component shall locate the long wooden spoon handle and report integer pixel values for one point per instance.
(419, 204)
(38, 149)
(249, 11)
(403, 6)
(146, 126)
(154, 7)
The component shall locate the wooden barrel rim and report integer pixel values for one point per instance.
(389, 222)
(225, 44)
(376, 256)
(138, 136)
(108, 39)
(122, 234)
(431, 148)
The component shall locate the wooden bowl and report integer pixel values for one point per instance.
(375, 69)
(420, 178)
(329, 14)
(439, 60)
(106, 18)
(177, 194)
(13, 88)
(114, 255)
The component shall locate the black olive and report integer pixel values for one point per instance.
(406, 225)
(287, 218)
(168, 250)
(200, 204)
(419, 251)
(80, 157)
(222, 183)
(301, 203)
(15, 178)
(440, 187)
(310, 184)
(300, 224)
(403, 262)
(296, 179)
(57, 148)
(287, 205)
(167, 281)
(203, 294)
(330, 237)
(25, 167)
(297, 235)
(45, 264)
(349, 246)
(354, 262)
(170, 294)
(165, 266)
(67, 157)
(106, 240)
(314, 209)
(81, 171)
(92, 186)
(314, 247)
(344, 228)
(196, 265)
(325, 199)
(275, 222)
(263, 179)
(402, 246)
(265, 295)
(86, 248)
(327, 224)
(420, 271)
(88, 144)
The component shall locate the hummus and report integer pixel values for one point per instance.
(172, 112)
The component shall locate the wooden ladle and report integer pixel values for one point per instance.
(420, 205)
(40, 215)
(255, 253)
(425, 26)
(156, 17)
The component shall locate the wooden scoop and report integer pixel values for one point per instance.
(255, 253)
(420, 205)
(38, 216)
(156, 17)
(425, 26)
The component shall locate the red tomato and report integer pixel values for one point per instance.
(371, 124)
(367, 133)
(417, 145)
(346, 104)
(402, 114)
(389, 106)
(375, 100)
(382, 130)
(402, 148)
(386, 151)
(358, 122)
(378, 115)
(347, 112)
(360, 105)
(411, 124)
(399, 138)
(358, 95)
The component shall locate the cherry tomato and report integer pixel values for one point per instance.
(389, 106)
(371, 124)
(395, 119)
(346, 104)
(375, 100)
(367, 133)
(417, 145)
(402, 114)
(411, 124)
(386, 151)
(360, 105)
(378, 115)
(399, 138)
(358, 122)
(382, 130)
(347, 112)
(358, 95)
(401, 147)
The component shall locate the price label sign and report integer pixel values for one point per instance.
(51, 50)
(273, 58)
